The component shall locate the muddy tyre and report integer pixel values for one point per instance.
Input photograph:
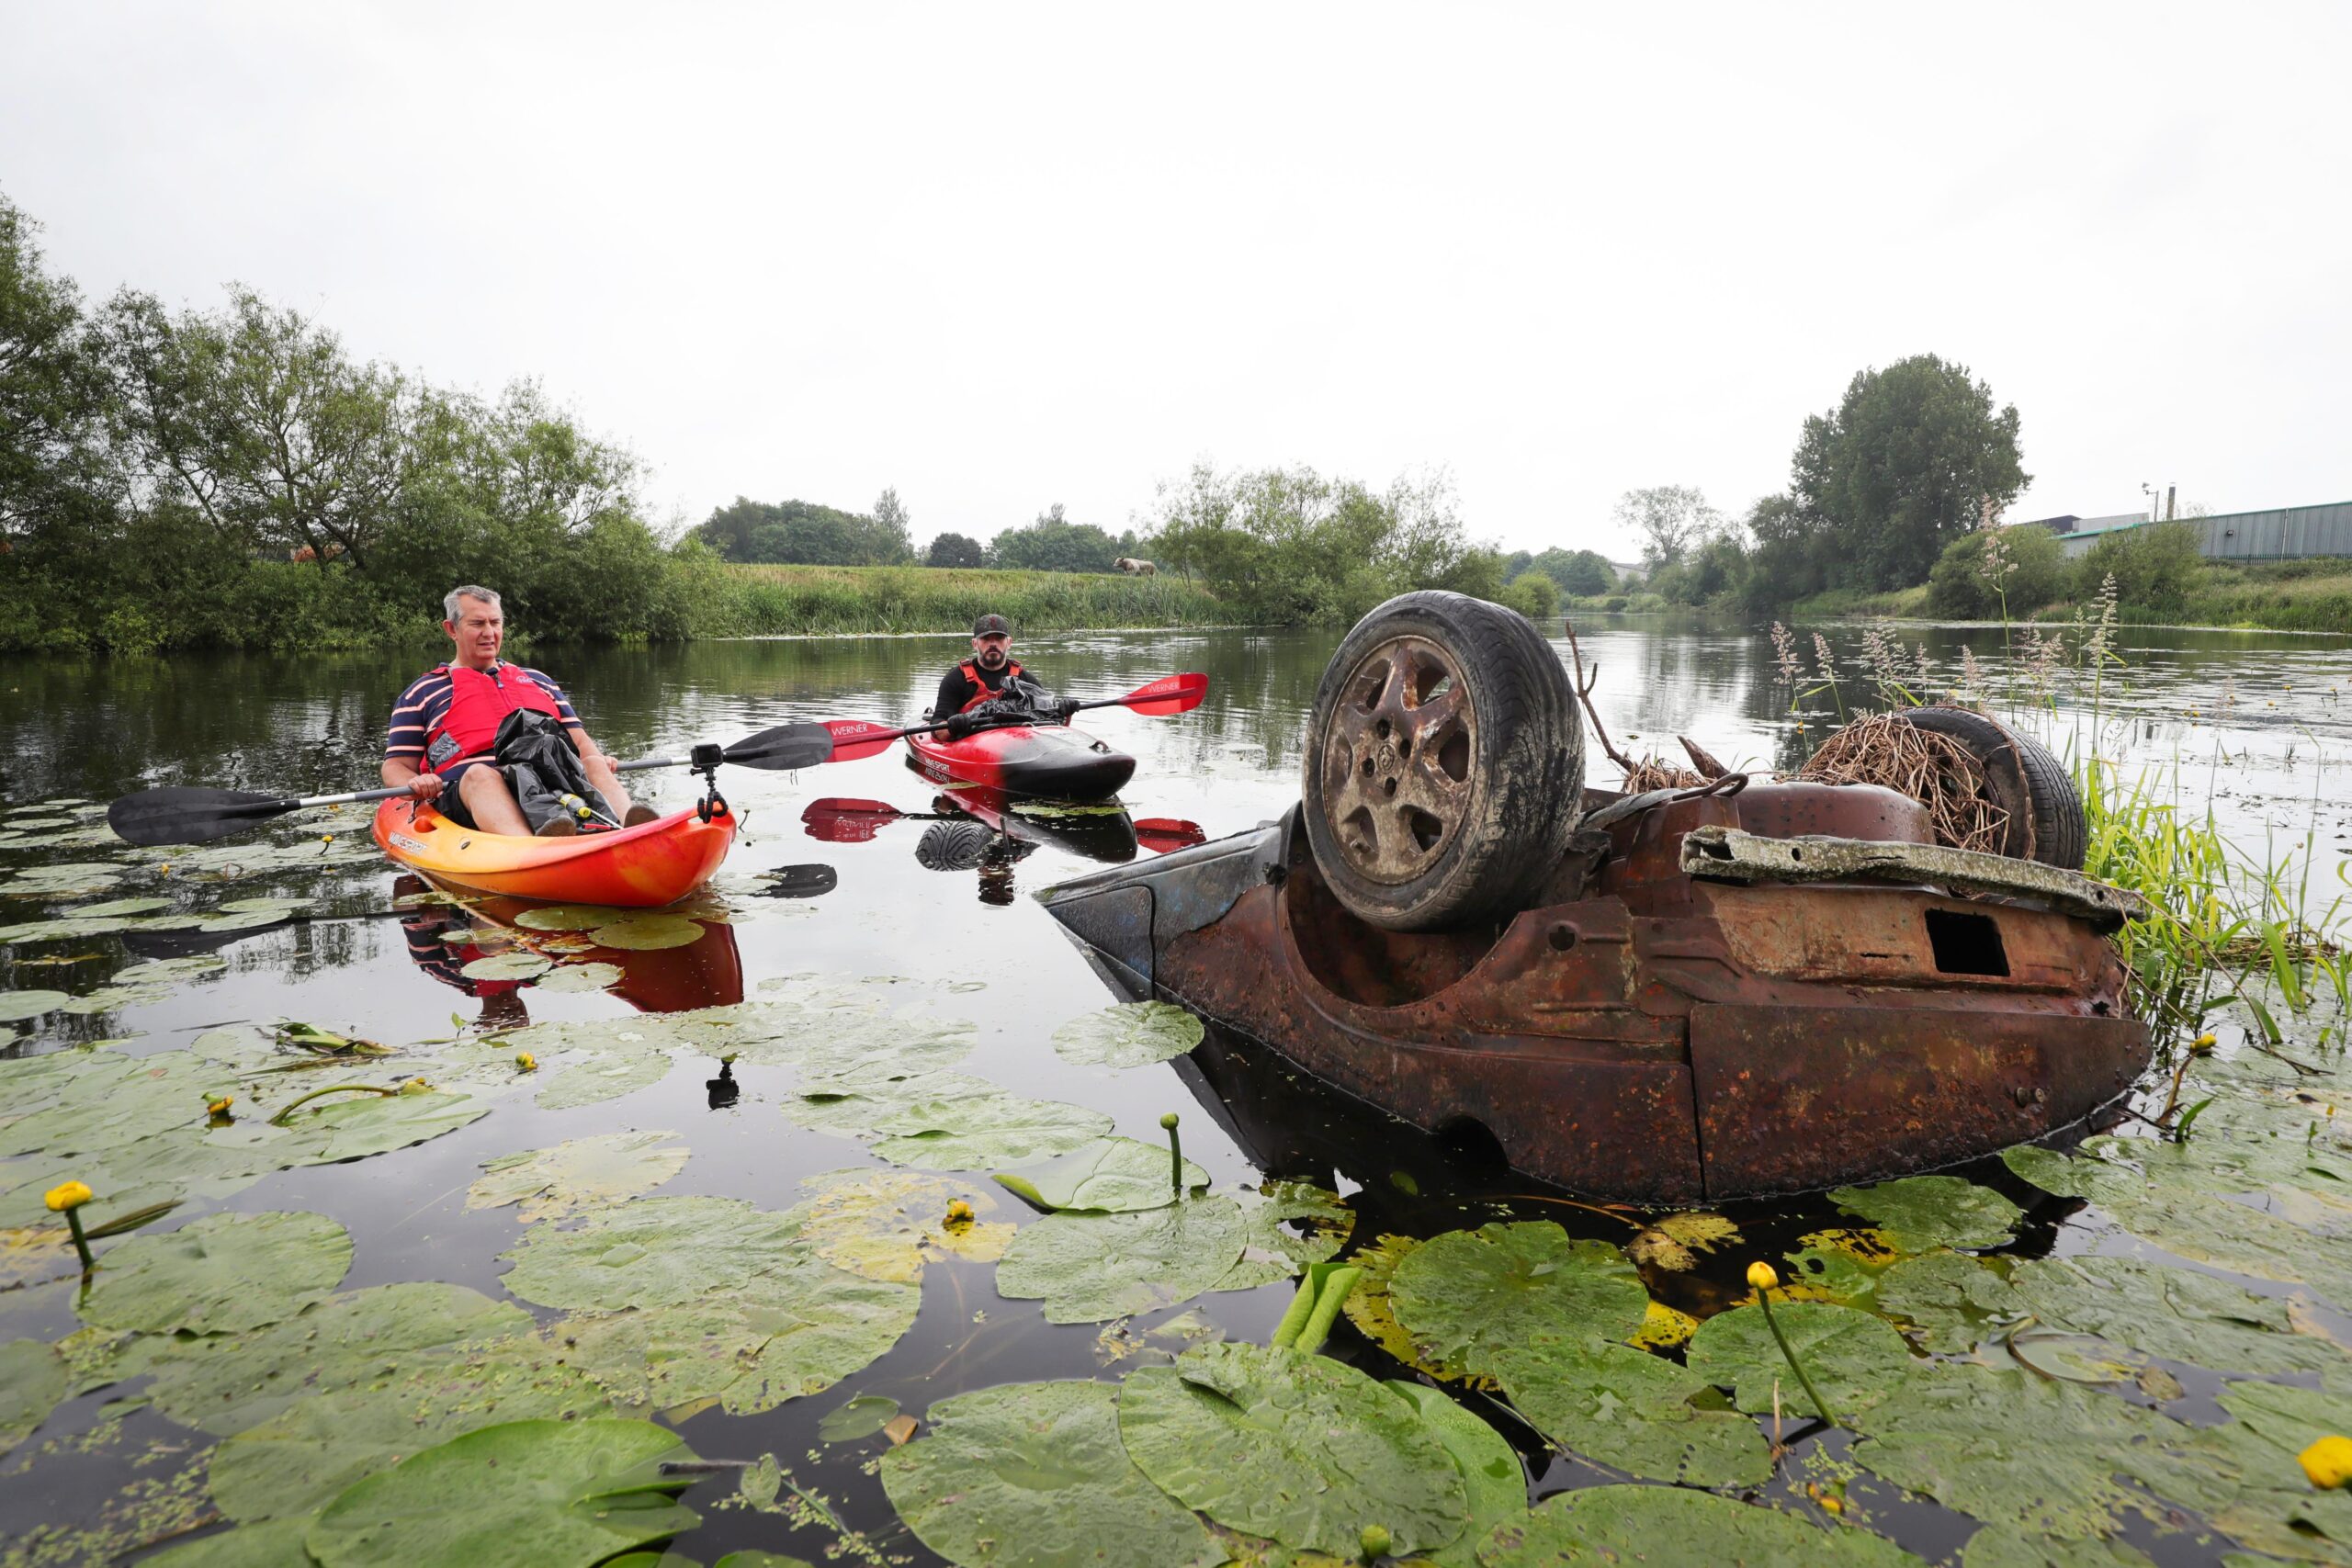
(1444, 764)
(2032, 785)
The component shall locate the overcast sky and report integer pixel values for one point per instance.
(999, 257)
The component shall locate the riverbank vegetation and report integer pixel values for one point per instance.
(766, 600)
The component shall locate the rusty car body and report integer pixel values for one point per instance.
(1721, 993)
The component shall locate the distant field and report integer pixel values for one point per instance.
(2294, 596)
(841, 600)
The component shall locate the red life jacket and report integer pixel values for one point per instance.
(479, 703)
(980, 693)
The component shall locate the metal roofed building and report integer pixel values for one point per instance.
(2285, 533)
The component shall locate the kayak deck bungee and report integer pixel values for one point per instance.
(1021, 759)
(643, 867)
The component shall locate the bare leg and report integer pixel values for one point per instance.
(484, 791)
(608, 785)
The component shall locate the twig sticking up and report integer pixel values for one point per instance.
(1584, 681)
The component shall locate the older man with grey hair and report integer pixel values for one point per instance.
(445, 726)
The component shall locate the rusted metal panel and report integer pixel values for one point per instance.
(1795, 1097)
(1713, 851)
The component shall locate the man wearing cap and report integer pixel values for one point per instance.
(988, 675)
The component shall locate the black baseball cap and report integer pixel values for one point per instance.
(991, 625)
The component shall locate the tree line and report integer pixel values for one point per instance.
(803, 533)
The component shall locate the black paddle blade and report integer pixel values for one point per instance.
(787, 746)
(182, 815)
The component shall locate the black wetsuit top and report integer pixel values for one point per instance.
(956, 689)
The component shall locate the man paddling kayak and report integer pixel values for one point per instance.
(445, 728)
(990, 675)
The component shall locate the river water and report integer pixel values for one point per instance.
(2254, 725)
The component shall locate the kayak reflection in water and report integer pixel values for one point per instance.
(977, 829)
(443, 938)
(990, 684)
(447, 728)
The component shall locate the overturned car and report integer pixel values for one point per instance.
(1677, 996)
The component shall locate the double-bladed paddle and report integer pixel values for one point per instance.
(187, 814)
(855, 737)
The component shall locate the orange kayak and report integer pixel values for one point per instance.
(643, 867)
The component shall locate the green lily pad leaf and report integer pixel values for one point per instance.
(577, 1175)
(579, 978)
(797, 1330)
(1130, 1035)
(592, 1083)
(1275, 1252)
(1492, 1478)
(65, 928)
(2175, 1314)
(1033, 1475)
(276, 1543)
(985, 1131)
(1674, 1242)
(1109, 1175)
(121, 907)
(32, 1380)
(649, 1252)
(1092, 1268)
(1948, 1302)
(2003, 1546)
(1301, 1449)
(1368, 1307)
(304, 1457)
(2245, 1475)
(16, 1007)
(883, 1223)
(646, 933)
(67, 880)
(2009, 1447)
(328, 1131)
(1854, 1360)
(517, 965)
(222, 1274)
(1464, 1294)
(228, 1383)
(1841, 1267)
(566, 917)
(750, 1559)
(523, 1493)
(1628, 1409)
(859, 1101)
(1917, 1213)
(165, 970)
(861, 1418)
(1664, 1524)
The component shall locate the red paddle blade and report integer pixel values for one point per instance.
(1169, 693)
(1165, 835)
(843, 819)
(855, 737)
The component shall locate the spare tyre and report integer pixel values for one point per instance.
(1444, 764)
(2027, 781)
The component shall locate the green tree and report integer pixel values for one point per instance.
(1583, 574)
(1053, 543)
(1672, 520)
(2026, 570)
(955, 549)
(1786, 562)
(1532, 595)
(891, 522)
(802, 533)
(53, 391)
(1914, 456)
(2156, 567)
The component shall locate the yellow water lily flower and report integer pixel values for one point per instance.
(219, 1104)
(2203, 1043)
(2328, 1462)
(68, 1195)
(1760, 1276)
(525, 1062)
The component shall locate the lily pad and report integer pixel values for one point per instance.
(1665, 1524)
(592, 1083)
(1109, 1175)
(649, 1252)
(1369, 1308)
(65, 928)
(579, 978)
(983, 1131)
(882, 1224)
(118, 906)
(1301, 1449)
(1917, 1213)
(646, 933)
(859, 1102)
(1273, 1251)
(1130, 1035)
(276, 1543)
(577, 1175)
(2176, 1313)
(1854, 1358)
(566, 917)
(1034, 1475)
(2004, 1546)
(165, 970)
(16, 1007)
(517, 965)
(1465, 1294)
(1628, 1409)
(861, 1418)
(32, 1380)
(1949, 1301)
(1674, 1242)
(1493, 1480)
(1091, 1268)
(223, 1273)
(795, 1330)
(522, 1493)
(336, 1130)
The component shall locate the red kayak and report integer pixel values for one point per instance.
(1054, 761)
(642, 867)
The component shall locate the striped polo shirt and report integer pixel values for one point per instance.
(426, 703)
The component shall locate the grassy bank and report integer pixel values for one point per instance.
(2292, 596)
(750, 600)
